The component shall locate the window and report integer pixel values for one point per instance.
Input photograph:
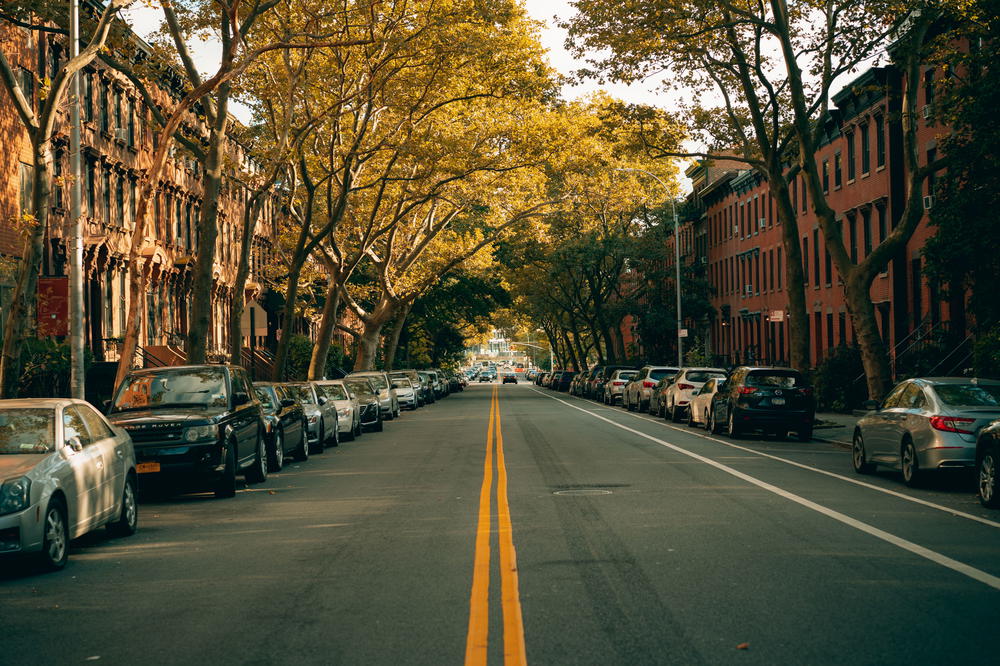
(931, 180)
(866, 158)
(805, 260)
(105, 118)
(28, 86)
(119, 122)
(795, 194)
(133, 195)
(95, 424)
(880, 141)
(816, 257)
(119, 201)
(866, 229)
(106, 198)
(852, 231)
(837, 172)
(843, 328)
(53, 60)
(826, 175)
(829, 329)
(882, 231)
(851, 156)
(929, 87)
(88, 97)
(770, 268)
(26, 174)
(57, 172)
(805, 197)
(131, 124)
(109, 305)
(73, 426)
(91, 189)
(778, 271)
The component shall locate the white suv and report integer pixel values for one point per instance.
(677, 396)
(639, 390)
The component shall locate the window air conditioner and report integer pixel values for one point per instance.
(762, 222)
(927, 111)
(749, 290)
(928, 202)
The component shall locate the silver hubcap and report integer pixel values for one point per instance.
(859, 453)
(129, 507)
(55, 532)
(987, 477)
(279, 450)
(908, 455)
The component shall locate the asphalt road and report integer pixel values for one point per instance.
(636, 542)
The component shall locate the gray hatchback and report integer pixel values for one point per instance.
(926, 424)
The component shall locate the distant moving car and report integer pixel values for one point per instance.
(774, 400)
(64, 471)
(485, 377)
(193, 425)
(678, 394)
(509, 378)
(926, 424)
(284, 424)
(615, 385)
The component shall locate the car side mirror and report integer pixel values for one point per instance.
(322, 400)
(240, 398)
(287, 402)
(871, 405)
(107, 405)
(74, 444)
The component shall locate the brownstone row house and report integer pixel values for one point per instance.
(118, 143)
(736, 235)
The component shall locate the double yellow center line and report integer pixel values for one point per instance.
(477, 641)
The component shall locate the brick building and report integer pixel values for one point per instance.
(738, 235)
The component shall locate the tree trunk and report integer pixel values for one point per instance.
(20, 317)
(392, 343)
(368, 346)
(327, 325)
(798, 316)
(873, 354)
(243, 274)
(208, 232)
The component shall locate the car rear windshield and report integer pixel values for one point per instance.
(778, 379)
(969, 395)
(703, 375)
(661, 373)
(30, 430)
(204, 387)
(627, 374)
(302, 393)
(333, 391)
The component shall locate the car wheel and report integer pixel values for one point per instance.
(358, 428)
(390, 416)
(349, 435)
(675, 414)
(302, 453)
(319, 446)
(336, 435)
(55, 543)
(379, 426)
(732, 430)
(806, 434)
(278, 457)
(912, 474)
(987, 469)
(713, 426)
(627, 404)
(226, 485)
(859, 457)
(690, 418)
(258, 471)
(128, 519)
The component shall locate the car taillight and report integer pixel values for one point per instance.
(746, 390)
(646, 384)
(806, 391)
(617, 383)
(685, 387)
(951, 424)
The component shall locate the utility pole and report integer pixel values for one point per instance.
(74, 231)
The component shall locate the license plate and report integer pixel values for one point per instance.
(147, 467)
(777, 401)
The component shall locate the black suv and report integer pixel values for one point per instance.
(774, 400)
(197, 425)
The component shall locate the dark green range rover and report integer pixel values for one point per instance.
(196, 426)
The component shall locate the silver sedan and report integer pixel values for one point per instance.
(64, 471)
(926, 424)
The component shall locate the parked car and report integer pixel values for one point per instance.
(615, 384)
(552, 381)
(987, 462)
(565, 379)
(371, 411)
(774, 400)
(321, 416)
(701, 402)
(636, 395)
(347, 406)
(387, 398)
(64, 471)
(677, 395)
(419, 390)
(509, 378)
(540, 378)
(406, 393)
(284, 424)
(427, 387)
(195, 425)
(926, 424)
(600, 378)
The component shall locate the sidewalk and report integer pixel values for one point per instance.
(836, 428)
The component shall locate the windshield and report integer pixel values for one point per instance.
(29, 430)
(265, 397)
(333, 391)
(377, 380)
(360, 386)
(204, 387)
(969, 395)
(703, 375)
(401, 384)
(302, 393)
(779, 379)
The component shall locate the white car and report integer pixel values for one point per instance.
(406, 394)
(701, 402)
(614, 387)
(387, 400)
(639, 391)
(678, 395)
(64, 471)
(346, 403)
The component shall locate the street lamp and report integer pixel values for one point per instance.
(552, 364)
(677, 262)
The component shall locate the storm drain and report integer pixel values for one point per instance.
(583, 491)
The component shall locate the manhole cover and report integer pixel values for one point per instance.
(583, 491)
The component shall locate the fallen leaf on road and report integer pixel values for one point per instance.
(94, 658)
(271, 492)
(743, 646)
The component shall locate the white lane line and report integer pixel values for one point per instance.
(841, 477)
(916, 549)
